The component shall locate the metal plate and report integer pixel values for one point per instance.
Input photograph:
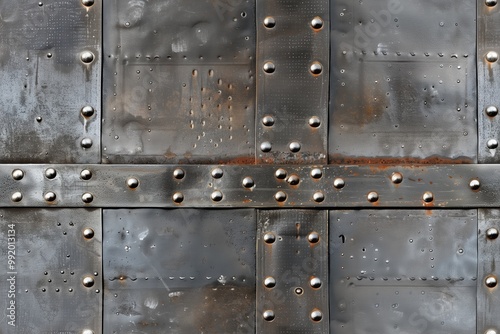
(45, 258)
(179, 82)
(398, 96)
(410, 272)
(44, 84)
(292, 272)
(179, 271)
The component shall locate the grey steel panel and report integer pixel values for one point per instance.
(179, 271)
(292, 271)
(410, 271)
(403, 82)
(179, 82)
(45, 258)
(289, 95)
(44, 83)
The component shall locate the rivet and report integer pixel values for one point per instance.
(316, 68)
(216, 196)
(299, 291)
(248, 182)
(315, 283)
(492, 233)
(86, 143)
(132, 183)
(17, 174)
(293, 180)
(17, 197)
(474, 184)
(339, 183)
(316, 173)
(268, 315)
(317, 23)
(268, 120)
(179, 173)
(269, 238)
(85, 174)
(492, 144)
(314, 121)
(397, 178)
(49, 55)
(88, 3)
(269, 282)
(372, 196)
(316, 315)
(318, 197)
(428, 197)
(50, 173)
(269, 22)
(294, 147)
(87, 57)
(491, 111)
(280, 196)
(39, 119)
(490, 331)
(49, 196)
(178, 197)
(87, 111)
(490, 281)
(87, 198)
(86, 331)
(492, 56)
(265, 146)
(88, 233)
(280, 174)
(217, 173)
(88, 281)
(313, 237)
(269, 67)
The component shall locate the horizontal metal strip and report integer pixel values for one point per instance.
(450, 186)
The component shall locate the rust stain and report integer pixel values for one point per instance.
(432, 160)
(238, 161)
(428, 212)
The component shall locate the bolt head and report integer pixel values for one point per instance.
(372, 196)
(491, 111)
(317, 23)
(492, 56)
(268, 120)
(316, 68)
(269, 238)
(316, 315)
(490, 3)
(280, 196)
(217, 173)
(87, 111)
(315, 283)
(269, 22)
(87, 57)
(316, 173)
(266, 147)
(87, 3)
(293, 180)
(268, 315)
(179, 173)
(50, 173)
(87, 198)
(132, 183)
(314, 122)
(216, 196)
(49, 196)
(88, 233)
(294, 147)
(17, 174)
(490, 281)
(428, 197)
(474, 184)
(248, 182)
(397, 178)
(86, 143)
(313, 237)
(492, 233)
(492, 144)
(86, 174)
(17, 197)
(269, 67)
(339, 183)
(280, 174)
(178, 197)
(318, 197)
(88, 281)
(269, 282)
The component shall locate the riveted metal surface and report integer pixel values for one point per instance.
(179, 271)
(179, 81)
(399, 95)
(45, 257)
(292, 89)
(292, 271)
(410, 272)
(40, 49)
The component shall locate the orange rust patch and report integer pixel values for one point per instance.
(432, 160)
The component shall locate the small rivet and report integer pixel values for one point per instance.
(428, 197)
(316, 315)
(88, 281)
(316, 68)
(268, 315)
(39, 119)
(492, 233)
(269, 282)
(87, 111)
(280, 174)
(269, 67)
(316, 173)
(269, 22)
(268, 120)
(491, 111)
(293, 180)
(217, 173)
(299, 291)
(85, 331)
(248, 182)
(88, 233)
(86, 143)
(490, 331)
(313, 237)
(318, 197)
(397, 178)
(492, 144)
(87, 198)
(315, 283)
(490, 281)
(88, 3)
(17, 197)
(294, 147)
(492, 56)
(265, 146)
(269, 238)
(372, 196)
(339, 183)
(280, 196)
(132, 183)
(85, 174)
(49, 196)
(87, 57)
(216, 196)
(474, 184)
(50, 173)
(179, 173)
(317, 23)
(314, 121)
(17, 174)
(49, 55)
(178, 197)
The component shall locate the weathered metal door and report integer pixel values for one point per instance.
(249, 166)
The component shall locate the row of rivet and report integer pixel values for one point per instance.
(491, 281)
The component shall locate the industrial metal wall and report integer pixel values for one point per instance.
(249, 166)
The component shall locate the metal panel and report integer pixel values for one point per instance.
(47, 256)
(403, 82)
(45, 83)
(179, 271)
(410, 272)
(292, 90)
(179, 82)
(292, 272)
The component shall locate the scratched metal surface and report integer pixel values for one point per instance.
(52, 257)
(179, 81)
(179, 271)
(41, 44)
(403, 82)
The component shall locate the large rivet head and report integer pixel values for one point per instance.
(269, 238)
(87, 57)
(313, 237)
(490, 281)
(50, 196)
(293, 180)
(490, 3)
(316, 315)
(492, 144)
(428, 197)
(17, 197)
(178, 197)
(474, 184)
(87, 111)
(86, 143)
(248, 182)
(132, 183)
(17, 174)
(179, 173)
(266, 146)
(268, 120)
(314, 122)
(217, 173)
(397, 178)
(269, 67)
(372, 196)
(491, 111)
(492, 233)
(492, 56)
(268, 315)
(280, 174)
(50, 173)
(490, 331)
(87, 198)
(316, 68)
(216, 196)
(269, 22)
(88, 281)
(269, 282)
(87, 3)
(317, 23)
(315, 283)
(318, 197)
(87, 331)
(280, 196)
(294, 146)
(339, 183)
(316, 173)
(85, 174)
(88, 233)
